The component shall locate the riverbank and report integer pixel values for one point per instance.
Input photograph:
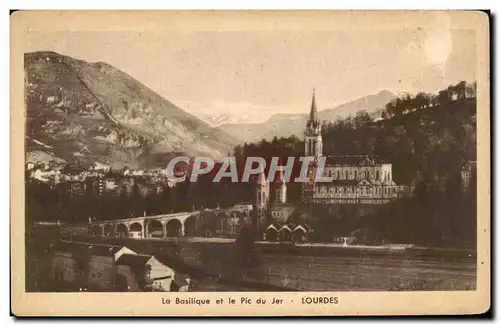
(310, 267)
(385, 247)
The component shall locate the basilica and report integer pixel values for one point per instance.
(347, 179)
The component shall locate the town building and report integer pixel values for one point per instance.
(273, 217)
(97, 267)
(469, 175)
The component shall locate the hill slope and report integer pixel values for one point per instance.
(94, 112)
(285, 125)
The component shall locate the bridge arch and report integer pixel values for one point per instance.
(96, 231)
(190, 226)
(109, 230)
(173, 228)
(121, 230)
(135, 230)
(154, 229)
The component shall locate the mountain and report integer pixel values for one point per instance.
(216, 120)
(372, 104)
(285, 125)
(88, 112)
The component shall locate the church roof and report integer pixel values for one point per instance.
(272, 227)
(389, 183)
(285, 228)
(352, 182)
(282, 206)
(353, 160)
(301, 228)
(313, 114)
(363, 182)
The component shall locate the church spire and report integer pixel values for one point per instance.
(313, 115)
(313, 141)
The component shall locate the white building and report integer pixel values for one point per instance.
(348, 179)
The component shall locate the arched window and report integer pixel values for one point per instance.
(378, 175)
(338, 174)
(356, 174)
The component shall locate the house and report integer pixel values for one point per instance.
(40, 175)
(99, 167)
(151, 274)
(469, 175)
(89, 267)
(286, 232)
(30, 166)
(83, 267)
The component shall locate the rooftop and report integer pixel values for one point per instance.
(354, 160)
(133, 259)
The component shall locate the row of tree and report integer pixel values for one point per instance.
(428, 139)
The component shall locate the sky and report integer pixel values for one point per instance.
(254, 74)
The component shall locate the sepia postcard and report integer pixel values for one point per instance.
(250, 163)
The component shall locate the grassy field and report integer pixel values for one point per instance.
(366, 272)
(303, 269)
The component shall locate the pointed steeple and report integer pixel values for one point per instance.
(261, 178)
(313, 142)
(313, 115)
(279, 178)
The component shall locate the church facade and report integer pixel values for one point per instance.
(347, 179)
(274, 213)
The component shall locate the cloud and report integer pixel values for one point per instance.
(438, 44)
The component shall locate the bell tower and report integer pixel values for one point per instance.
(313, 139)
(280, 190)
(261, 198)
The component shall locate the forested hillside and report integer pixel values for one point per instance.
(428, 139)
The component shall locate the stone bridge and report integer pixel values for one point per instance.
(158, 226)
